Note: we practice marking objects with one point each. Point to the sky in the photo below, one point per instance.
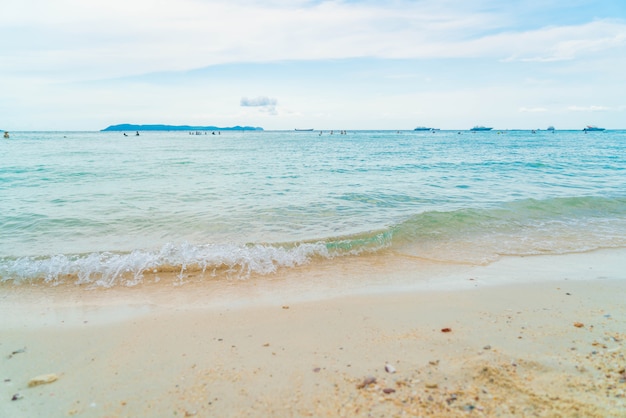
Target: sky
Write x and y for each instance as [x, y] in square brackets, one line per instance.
[283, 64]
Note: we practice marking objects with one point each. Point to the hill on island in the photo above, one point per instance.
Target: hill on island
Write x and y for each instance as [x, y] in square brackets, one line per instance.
[131, 127]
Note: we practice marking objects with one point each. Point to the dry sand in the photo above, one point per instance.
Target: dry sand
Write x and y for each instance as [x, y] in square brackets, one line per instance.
[551, 346]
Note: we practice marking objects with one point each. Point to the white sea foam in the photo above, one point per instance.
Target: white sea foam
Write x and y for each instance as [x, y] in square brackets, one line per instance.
[109, 269]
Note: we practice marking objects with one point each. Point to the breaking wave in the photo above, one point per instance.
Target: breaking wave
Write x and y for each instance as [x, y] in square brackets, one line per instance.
[476, 236]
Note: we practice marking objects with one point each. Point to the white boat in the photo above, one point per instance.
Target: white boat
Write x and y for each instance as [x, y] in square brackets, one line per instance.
[304, 130]
[592, 128]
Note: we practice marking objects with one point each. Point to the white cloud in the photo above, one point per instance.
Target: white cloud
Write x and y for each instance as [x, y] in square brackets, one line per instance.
[114, 38]
[258, 101]
[264, 103]
[568, 42]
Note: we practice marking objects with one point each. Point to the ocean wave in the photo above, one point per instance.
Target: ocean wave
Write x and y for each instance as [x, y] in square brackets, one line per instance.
[467, 235]
[108, 269]
[518, 228]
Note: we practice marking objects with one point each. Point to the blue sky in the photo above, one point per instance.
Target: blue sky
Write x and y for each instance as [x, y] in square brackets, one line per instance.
[278, 64]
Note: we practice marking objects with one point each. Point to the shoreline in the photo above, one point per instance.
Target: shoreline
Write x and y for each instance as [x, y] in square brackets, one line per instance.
[378, 274]
[536, 335]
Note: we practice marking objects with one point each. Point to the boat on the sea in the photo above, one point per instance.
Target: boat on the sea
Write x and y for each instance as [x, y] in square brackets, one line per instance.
[591, 128]
[480, 128]
[424, 128]
[304, 130]
[6, 134]
[550, 128]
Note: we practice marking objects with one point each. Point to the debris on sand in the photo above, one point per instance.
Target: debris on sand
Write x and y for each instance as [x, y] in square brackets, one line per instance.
[366, 382]
[18, 351]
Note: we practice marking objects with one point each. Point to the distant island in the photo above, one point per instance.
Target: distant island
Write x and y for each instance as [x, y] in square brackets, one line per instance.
[130, 127]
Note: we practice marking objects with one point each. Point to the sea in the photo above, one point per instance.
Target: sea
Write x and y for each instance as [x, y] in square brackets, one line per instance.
[102, 210]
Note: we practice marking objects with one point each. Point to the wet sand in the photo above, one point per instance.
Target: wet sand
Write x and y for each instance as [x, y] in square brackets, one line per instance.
[550, 341]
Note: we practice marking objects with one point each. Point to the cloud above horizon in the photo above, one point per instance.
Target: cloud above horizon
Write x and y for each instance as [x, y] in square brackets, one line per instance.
[359, 62]
[266, 104]
[258, 101]
[100, 41]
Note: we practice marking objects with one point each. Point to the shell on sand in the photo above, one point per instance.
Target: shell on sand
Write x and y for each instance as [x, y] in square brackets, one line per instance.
[42, 379]
[389, 368]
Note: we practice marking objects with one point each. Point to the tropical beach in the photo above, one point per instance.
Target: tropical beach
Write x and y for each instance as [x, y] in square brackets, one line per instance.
[384, 273]
[312, 209]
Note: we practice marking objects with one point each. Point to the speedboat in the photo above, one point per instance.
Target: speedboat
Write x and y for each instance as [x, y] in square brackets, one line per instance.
[592, 128]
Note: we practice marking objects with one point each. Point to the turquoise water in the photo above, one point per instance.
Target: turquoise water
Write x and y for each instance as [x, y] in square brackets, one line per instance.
[98, 207]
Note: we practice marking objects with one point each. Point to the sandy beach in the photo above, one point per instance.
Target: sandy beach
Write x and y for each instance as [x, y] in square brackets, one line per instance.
[532, 336]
